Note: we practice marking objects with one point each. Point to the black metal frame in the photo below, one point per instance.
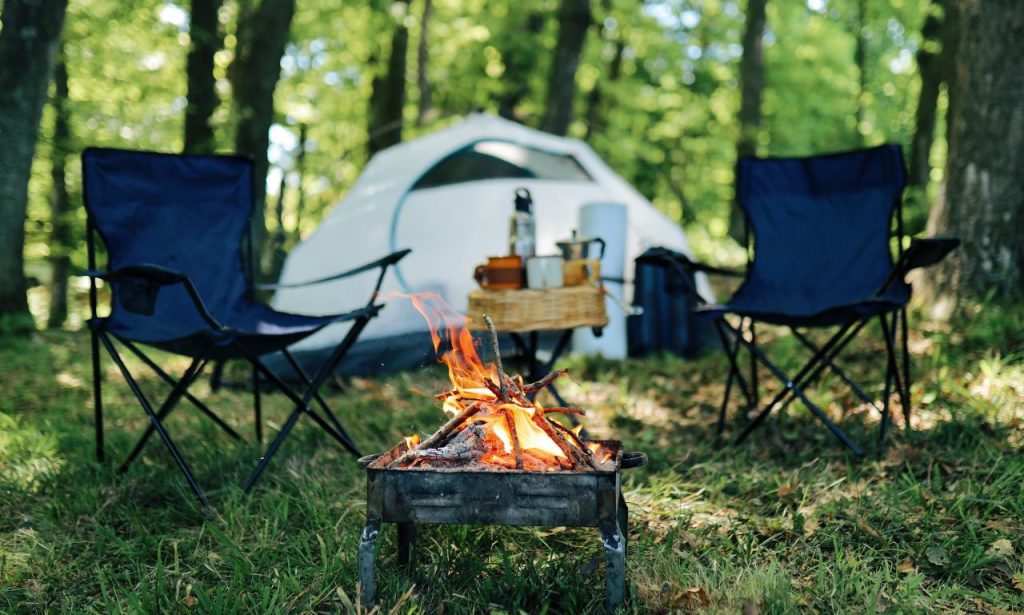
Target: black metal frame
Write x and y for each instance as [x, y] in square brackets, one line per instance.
[179, 387]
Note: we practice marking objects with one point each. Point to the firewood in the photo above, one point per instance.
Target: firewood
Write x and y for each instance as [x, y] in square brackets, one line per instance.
[514, 435]
[577, 441]
[577, 458]
[496, 350]
[545, 381]
[440, 435]
[558, 410]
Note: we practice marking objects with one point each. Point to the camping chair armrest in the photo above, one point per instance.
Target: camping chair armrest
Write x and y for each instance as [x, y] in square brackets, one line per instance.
[926, 252]
[383, 263]
[150, 278]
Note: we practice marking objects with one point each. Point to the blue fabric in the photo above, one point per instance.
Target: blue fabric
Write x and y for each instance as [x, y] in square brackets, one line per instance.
[189, 214]
[821, 237]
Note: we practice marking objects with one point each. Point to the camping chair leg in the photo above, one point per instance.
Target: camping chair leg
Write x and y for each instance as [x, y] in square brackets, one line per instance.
[890, 342]
[191, 398]
[794, 386]
[190, 375]
[890, 367]
[907, 400]
[257, 409]
[301, 373]
[864, 397]
[731, 352]
[302, 404]
[178, 459]
[829, 360]
[217, 376]
[97, 395]
[753, 366]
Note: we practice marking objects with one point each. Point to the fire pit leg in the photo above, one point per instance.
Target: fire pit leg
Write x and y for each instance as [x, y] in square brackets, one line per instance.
[406, 543]
[367, 548]
[623, 515]
[615, 550]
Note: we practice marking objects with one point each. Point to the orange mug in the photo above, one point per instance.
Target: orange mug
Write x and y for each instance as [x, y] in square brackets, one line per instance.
[500, 273]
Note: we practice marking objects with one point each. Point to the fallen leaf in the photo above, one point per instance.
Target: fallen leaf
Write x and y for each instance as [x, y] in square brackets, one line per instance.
[867, 529]
[937, 555]
[694, 597]
[751, 608]
[906, 566]
[783, 491]
[190, 601]
[1018, 582]
[1001, 548]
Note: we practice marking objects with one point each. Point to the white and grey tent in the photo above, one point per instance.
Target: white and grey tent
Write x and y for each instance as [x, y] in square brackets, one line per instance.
[448, 196]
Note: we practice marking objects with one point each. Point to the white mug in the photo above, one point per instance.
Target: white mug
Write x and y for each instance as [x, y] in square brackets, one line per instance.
[544, 272]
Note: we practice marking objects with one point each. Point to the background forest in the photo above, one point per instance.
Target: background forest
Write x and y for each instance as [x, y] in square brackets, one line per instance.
[664, 91]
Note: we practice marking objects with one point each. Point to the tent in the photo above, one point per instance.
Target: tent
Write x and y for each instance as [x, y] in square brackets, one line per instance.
[448, 196]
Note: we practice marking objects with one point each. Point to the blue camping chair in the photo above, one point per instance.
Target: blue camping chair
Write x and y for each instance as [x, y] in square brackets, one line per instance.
[176, 232]
[820, 228]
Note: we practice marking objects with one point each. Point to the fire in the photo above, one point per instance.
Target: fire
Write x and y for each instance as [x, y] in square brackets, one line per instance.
[509, 431]
[412, 441]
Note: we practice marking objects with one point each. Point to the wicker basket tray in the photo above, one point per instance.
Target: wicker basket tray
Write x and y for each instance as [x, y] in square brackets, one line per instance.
[538, 310]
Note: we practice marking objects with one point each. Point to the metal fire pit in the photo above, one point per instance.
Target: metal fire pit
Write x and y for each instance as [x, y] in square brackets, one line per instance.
[408, 496]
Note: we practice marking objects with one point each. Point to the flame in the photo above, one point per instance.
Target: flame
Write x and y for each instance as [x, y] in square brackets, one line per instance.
[412, 441]
[474, 381]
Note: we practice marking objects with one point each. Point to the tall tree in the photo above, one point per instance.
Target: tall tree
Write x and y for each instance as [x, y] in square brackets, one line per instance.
[422, 64]
[204, 33]
[387, 98]
[751, 92]
[574, 19]
[860, 58]
[262, 33]
[984, 185]
[28, 43]
[60, 203]
[519, 55]
[929, 64]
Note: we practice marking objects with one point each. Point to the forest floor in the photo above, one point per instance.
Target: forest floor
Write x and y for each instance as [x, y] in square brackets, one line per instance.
[787, 522]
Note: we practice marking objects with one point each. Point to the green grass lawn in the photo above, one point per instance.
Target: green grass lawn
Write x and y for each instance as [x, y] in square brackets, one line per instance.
[788, 522]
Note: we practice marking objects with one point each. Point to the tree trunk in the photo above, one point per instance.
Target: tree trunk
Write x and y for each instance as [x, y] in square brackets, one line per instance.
[262, 35]
[519, 57]
[595, 100]
[204, 32]
[28, 43]
[422, 63]
[387, 99]
[929, 63]
[860, 58]
[751, 91]
[60, 204]
[984, 184]
[574, 20]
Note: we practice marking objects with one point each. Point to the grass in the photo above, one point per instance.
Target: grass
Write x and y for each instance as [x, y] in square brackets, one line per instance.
[787, 522]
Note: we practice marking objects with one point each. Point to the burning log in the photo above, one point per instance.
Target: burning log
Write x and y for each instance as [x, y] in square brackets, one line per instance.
[496, 350]
[557, 410]
[510, 421]
[439, 436]
[545, 381]
[577, 458]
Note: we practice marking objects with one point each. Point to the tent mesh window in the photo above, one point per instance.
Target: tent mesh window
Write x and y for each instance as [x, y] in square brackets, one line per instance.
[502, 160]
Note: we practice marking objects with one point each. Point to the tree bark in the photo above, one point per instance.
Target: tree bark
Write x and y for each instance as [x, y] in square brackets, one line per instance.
[262, 34]
[519, 56]
[751, 92]
[204, 32]
[574, 19]
[984, 186]
[595, 99]
[387, 98]
[860, 58]
[422, 64]
[929, 63]
[28, 44]
[60, 203]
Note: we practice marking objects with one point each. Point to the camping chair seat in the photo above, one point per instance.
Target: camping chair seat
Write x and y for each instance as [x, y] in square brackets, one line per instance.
[777, 307]
[254, 327]
[176, 231]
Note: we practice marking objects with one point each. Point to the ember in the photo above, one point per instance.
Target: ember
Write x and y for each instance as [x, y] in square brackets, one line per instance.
[494, 425]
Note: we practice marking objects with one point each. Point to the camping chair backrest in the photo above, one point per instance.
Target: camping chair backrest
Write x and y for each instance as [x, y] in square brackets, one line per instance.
[184, 213]
[821, 225]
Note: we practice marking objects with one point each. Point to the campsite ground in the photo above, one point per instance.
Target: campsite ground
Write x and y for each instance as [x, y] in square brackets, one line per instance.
[786, 523]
